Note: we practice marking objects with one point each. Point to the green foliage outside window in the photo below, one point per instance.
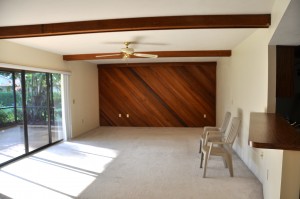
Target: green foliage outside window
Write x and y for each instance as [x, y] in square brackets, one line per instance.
[36, 100]
[6, 116]
[7, 99]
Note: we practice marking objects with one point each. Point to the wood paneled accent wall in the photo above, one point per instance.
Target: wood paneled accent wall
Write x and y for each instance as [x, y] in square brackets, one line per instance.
[158, 94]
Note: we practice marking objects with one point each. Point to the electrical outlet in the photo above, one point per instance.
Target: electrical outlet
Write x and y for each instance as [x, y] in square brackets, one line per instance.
[127, 115]
[204, 115]
[120, 115]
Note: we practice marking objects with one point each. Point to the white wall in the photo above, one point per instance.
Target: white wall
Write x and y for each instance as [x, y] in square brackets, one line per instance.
[85, 97]
[247, 77]
[242, 87]
[83, 81]
[12, 53]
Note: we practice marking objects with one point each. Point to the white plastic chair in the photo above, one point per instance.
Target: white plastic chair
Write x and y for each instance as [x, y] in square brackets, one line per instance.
[221, 148]
[221, 129]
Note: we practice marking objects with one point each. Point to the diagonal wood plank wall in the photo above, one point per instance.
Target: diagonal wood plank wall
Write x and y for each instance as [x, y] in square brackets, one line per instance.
[158, 94]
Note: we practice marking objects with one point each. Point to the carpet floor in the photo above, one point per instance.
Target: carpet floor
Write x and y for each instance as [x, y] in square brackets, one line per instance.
[127, 163]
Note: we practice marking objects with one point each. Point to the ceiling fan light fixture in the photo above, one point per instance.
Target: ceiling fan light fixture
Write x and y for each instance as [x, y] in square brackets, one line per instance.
[126, 56]
[128, 52]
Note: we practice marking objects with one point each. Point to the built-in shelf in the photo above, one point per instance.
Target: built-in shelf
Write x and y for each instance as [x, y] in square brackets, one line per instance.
[271, 131]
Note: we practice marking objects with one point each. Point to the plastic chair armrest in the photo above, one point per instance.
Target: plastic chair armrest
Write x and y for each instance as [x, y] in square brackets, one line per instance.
[212, 135]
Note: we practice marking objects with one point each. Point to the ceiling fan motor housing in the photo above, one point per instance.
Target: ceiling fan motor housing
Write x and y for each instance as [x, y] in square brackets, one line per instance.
[129, 51]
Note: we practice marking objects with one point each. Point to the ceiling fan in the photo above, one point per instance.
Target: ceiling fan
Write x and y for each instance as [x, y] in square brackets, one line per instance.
[127, 52]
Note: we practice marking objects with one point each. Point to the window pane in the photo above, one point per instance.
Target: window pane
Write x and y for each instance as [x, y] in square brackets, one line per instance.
[11, 117]
[37, 109]
[7, 117]
[56, 108]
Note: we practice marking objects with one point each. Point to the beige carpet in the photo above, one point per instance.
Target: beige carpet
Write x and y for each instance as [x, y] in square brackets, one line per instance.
[127, 163]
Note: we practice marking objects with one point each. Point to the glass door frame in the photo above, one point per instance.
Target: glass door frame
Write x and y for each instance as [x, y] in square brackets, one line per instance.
[24, 108]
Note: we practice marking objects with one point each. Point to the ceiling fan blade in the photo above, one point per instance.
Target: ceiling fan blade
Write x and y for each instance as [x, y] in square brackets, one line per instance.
[110, 55]
[138, 41]
[145, 55]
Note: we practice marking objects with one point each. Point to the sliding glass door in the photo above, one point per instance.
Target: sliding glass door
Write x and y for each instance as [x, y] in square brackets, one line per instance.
[12, 142]
[30, 112]
[37, 109]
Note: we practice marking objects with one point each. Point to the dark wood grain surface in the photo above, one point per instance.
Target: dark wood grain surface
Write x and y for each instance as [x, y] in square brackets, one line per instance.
[271, 131]
[136, 24]
[199, 53]
[160, 94]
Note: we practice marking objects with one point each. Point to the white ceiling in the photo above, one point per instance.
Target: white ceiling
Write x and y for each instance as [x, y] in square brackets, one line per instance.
[20, 12]
[288, 30]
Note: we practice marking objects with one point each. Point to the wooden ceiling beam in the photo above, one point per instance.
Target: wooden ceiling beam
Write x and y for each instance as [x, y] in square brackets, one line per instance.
[137, 24]
[202, 53]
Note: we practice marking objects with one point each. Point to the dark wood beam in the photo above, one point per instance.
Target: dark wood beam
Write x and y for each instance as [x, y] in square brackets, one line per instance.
[136, 24]
[202, 53]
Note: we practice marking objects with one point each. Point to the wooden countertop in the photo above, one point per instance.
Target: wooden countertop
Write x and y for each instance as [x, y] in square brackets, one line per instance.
[271, 131]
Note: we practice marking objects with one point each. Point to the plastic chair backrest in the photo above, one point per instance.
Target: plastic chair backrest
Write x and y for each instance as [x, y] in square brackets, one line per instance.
[225, 122]
[233, 131]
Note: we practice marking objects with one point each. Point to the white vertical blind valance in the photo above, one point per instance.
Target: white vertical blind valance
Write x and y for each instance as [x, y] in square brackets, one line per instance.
[28, 68]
